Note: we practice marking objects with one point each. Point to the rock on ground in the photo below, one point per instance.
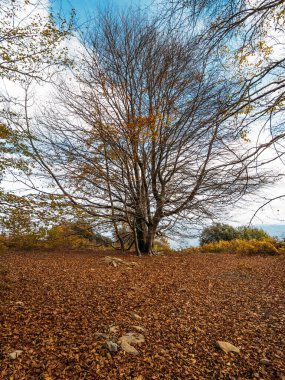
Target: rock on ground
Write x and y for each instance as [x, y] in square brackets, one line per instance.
[227, 347]
[15, 354]
[126, 342]
[111, 346]
[116, 261]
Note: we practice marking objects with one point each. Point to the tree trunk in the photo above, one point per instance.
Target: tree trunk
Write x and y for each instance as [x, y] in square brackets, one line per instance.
[145, 238]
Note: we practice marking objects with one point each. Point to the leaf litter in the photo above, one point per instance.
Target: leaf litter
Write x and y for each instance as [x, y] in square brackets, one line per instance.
[69, 322]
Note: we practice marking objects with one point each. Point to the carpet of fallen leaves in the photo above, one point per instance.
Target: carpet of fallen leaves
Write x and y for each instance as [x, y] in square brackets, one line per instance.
[53, 305]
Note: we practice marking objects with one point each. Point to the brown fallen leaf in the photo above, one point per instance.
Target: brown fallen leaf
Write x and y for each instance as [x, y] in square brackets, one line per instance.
[63, 326]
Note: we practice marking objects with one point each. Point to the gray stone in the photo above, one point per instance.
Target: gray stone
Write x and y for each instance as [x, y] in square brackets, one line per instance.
[111, 346]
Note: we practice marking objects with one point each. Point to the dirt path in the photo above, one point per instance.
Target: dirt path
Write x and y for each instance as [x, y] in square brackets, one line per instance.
[57, 306]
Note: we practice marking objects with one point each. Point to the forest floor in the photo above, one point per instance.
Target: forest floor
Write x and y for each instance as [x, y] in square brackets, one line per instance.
[59, 309]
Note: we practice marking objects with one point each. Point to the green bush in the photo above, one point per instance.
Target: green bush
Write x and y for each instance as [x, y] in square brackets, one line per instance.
[225, 232]
[248, 233]
[218, 232]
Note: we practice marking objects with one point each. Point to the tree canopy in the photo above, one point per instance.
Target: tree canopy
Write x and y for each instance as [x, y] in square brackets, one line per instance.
[30, 38]
[144, 139]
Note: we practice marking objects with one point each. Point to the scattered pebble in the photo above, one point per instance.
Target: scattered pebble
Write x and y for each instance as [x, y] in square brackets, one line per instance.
[136, 316]
[13, 355]
[227, 347]
[139, 328]
[113, 329]
[19, 303]
[111, 346]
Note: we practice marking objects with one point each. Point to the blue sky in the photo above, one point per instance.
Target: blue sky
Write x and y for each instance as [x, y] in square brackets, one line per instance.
[85, 8]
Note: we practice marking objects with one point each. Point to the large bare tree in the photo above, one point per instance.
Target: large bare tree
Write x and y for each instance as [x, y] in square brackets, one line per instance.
[142, 137]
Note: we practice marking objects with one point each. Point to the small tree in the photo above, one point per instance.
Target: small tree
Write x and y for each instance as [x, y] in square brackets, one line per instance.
[218, 232]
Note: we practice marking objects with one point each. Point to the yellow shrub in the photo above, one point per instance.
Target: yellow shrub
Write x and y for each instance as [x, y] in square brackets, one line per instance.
[161, 244]
[238, 246]
[217, 247]
[63, 236]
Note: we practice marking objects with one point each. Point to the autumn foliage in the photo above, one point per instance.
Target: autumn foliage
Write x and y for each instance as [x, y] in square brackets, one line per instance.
[73, 235]
[238, 246]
